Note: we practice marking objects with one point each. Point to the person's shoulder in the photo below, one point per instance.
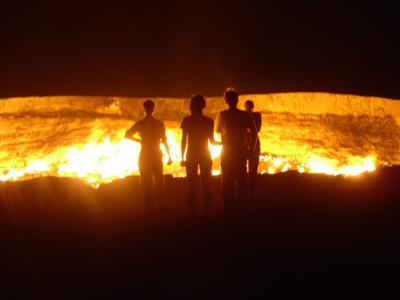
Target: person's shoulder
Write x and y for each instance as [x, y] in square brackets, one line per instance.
[207, 119]
[243, 113]
[139, 122]
[158, 121]
[185, 121]
[223, 112]
[245, 116]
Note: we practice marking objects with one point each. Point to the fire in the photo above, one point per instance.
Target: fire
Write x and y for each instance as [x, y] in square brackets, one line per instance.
[84, 137]
[105, 161]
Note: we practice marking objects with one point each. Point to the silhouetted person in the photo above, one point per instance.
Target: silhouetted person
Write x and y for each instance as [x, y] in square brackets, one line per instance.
[254, 156]
[152, 134]
[197, 131]
[234, 126]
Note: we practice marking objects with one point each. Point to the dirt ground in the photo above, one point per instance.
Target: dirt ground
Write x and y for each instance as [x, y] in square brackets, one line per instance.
[304, 235]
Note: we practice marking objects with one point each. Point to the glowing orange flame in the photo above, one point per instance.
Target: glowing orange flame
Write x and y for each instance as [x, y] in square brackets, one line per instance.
[37, 140]
[103, 162]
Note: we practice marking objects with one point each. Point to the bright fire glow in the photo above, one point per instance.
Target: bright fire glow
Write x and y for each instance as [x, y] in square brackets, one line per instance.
[105, 161]
[37, 141]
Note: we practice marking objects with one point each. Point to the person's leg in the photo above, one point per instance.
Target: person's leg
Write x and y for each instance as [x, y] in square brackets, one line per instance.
[191, 176]
[253, 167]
[205, 171]
[227, 185]
[241, 178]
[146, 183]
[157, 172]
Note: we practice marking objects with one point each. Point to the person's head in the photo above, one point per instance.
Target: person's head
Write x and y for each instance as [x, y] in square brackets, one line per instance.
[231, 97]
[148, 106]
[249, 105]
[197, 104]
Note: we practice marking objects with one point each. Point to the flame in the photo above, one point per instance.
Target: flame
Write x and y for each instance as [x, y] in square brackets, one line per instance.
[84, 137]
[105, 161]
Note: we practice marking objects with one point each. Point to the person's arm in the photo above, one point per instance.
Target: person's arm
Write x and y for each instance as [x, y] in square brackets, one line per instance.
[218, 123]
[130, 132]
[211, 135]
[165, 143]
[218, 126]
[253, 134]
[183, 145]
[258, 122]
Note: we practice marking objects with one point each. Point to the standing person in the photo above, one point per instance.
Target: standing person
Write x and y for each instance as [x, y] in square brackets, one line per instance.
[197, 131]
[234, 126]
[254, 157]
[152, 134]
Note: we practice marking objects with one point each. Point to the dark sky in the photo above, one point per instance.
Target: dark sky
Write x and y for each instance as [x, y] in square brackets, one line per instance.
[176, 48]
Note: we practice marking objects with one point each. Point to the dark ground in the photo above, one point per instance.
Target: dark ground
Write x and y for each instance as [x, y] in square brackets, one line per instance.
[305, 236]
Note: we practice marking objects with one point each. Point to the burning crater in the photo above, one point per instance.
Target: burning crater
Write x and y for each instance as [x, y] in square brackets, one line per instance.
[72, 136]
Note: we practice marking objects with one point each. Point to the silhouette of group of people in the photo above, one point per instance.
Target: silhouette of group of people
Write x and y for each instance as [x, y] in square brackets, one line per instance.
[240, 147]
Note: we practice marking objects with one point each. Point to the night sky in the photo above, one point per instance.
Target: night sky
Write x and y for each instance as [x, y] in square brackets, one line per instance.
[176, 48]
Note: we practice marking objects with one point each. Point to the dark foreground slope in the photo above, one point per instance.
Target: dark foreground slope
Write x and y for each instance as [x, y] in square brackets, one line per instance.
[312, 235]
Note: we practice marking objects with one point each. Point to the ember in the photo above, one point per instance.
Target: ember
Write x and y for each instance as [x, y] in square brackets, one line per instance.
[84, 136]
